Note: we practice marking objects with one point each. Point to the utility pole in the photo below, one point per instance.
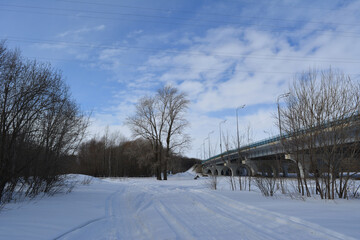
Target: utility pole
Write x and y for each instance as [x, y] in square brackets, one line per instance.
[237, 126]
[204, 147]
[202, 152]
[209, 141]
[284, 95]
[237, 132]
[220, 136]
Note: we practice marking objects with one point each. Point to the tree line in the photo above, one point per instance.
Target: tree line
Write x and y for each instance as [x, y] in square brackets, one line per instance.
[111, 155]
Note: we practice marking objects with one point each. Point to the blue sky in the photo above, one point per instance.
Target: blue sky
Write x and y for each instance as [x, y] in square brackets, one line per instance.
[223, 54]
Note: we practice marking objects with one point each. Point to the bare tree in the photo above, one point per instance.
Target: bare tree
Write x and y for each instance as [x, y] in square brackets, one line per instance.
[40, 125]
[158, 118]
[148, 122]
[175, 105]
[321, 119]
[228, 146]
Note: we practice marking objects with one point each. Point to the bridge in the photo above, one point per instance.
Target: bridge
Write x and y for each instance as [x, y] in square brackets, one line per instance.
[275, 156]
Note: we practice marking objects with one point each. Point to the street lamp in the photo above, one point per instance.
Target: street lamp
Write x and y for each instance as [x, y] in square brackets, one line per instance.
[237, 125]
[202, 152]
[269, 134]
[198, 153]
[220, 135]
[204, 147]
[209, 140]
[284, 95]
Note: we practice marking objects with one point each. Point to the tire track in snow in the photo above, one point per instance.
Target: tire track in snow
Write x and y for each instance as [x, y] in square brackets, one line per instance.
[314, 230]
[159, 211]
[142, 230]
[257, 223]
[108, 213]
[65, 234]
[176, 218]
[225, 222]
[148, 202]
[173, 221]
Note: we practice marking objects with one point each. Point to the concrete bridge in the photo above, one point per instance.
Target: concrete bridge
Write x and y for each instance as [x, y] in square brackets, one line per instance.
[272, 157]
[262, 156]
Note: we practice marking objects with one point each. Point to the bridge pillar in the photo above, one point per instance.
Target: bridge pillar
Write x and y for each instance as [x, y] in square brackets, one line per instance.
[223, 170]
[303, 164]
[251, 166]
[207, 171]
[269, 168]
[275, 169]
[232, 169]
[285, 168]
[240, 169]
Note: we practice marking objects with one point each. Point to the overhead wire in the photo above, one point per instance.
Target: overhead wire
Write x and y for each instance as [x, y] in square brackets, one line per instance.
[177, 67]
[289, 7]
[194, 22]
[191, 53]
[202, 13]
[287, 58]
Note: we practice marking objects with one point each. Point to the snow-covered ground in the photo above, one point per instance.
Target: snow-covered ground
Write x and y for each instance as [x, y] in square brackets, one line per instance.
[180, 208]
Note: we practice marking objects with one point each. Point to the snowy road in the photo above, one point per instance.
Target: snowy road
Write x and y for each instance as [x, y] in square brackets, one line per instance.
[180, 208]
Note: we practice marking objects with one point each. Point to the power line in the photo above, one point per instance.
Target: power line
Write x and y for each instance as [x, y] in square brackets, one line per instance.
[219, 54]
[172, 67]
[177, 67]
[152, 16]
[291, 7]
[195, 22]
[205, 14]
[172, 9]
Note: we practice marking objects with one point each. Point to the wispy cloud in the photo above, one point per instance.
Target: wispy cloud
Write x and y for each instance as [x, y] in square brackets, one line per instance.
[77, 32]
[250, 60]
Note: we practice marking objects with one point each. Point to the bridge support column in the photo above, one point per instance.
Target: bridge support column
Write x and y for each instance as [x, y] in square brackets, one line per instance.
[302, 164]
[285, 169]
[224, 170]
[213, 171]
[233, 168]
[251, 167]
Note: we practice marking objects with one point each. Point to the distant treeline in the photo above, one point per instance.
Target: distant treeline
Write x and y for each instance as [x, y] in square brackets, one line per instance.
[123, 158]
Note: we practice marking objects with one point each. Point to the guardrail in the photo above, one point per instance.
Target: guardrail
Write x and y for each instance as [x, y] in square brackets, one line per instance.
[351, 118]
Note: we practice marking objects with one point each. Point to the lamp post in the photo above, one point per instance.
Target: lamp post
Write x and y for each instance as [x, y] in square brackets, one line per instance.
[202, 152]
[284, 95]
[220, 136]
[209, 140]
[204, 147]
[237, 125]
[269, 134]
[198, 153]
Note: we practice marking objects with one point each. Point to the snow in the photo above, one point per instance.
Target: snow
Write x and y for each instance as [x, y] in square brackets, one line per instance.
[180, 208]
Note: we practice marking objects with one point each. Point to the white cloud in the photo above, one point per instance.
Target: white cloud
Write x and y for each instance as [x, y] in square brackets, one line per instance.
[230, 66]
[223, 67]
[134, 33]
[83, 30]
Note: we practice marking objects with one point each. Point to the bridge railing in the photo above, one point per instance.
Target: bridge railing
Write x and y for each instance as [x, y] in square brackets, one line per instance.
[350, 118]
[249, 146]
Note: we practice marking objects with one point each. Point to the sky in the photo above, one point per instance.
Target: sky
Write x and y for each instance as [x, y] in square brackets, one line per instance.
[222, 54]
